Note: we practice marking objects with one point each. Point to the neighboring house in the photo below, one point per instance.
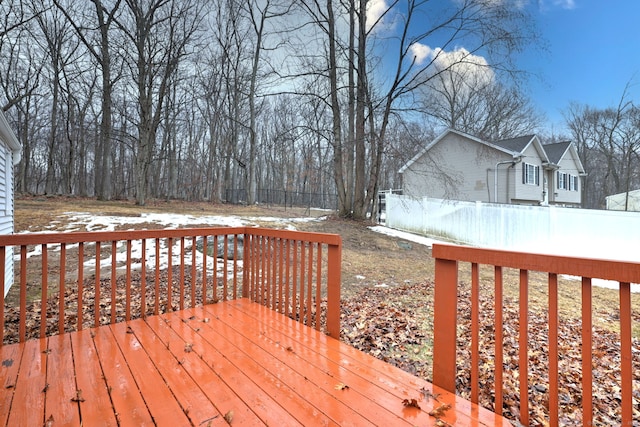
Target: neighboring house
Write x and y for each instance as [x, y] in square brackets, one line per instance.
[627, 201]
[9, 156]
[458, 166]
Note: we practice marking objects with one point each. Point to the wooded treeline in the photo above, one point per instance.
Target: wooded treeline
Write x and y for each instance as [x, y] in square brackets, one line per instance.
[185, 99]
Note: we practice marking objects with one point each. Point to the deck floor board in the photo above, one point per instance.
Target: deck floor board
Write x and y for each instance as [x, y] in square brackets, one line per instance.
[232, 361]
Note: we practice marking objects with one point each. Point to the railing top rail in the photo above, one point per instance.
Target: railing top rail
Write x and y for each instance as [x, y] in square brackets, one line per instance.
[105, 236]
[621, 271]
[307, 236]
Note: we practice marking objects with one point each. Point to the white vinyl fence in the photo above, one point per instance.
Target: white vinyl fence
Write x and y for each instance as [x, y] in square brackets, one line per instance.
[539, 229]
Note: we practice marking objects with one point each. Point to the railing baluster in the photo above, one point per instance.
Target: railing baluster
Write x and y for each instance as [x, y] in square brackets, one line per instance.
[302, 281]
[96, 300]
[80, 286]
[587, 331]
[169, 274]
[523, 352]
[204, 269]
[553, 350]
[44, 290]
[294, 280]
[318, 285]
[23, 293]
[194, 252]
[225, 259]
[499, 341]
[269, 279]
[127, 284]
[143, 280]
[61, 296]
[235, 266]
[281, 278]
[287, 271]
[215, 267]
[274, 274]
[309, 283]
[114, 285]
[182, 273]
[156, 308]
[475, 331]
[263, 270]
[625, 354]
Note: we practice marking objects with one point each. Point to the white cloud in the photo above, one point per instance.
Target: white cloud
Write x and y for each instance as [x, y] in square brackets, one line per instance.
[459, 61]
[565, 4]
[420, 52]
[375, 9]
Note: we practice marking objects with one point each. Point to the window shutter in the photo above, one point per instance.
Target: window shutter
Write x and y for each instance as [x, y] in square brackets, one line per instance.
[537, 175]
[524, 173]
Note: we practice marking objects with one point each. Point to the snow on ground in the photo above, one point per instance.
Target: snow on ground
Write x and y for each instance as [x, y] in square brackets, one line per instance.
[422, 240]
[82, 221]
[609, 284]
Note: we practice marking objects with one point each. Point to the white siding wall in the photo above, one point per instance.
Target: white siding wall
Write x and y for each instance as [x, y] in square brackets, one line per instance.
[6, 208]
[568, 166]
[458, 168]
[528, 193]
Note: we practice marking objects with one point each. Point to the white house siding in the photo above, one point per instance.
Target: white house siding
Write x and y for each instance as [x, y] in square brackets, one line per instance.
[561, 196]
[457, 168]
[6, 208]
[528, 193]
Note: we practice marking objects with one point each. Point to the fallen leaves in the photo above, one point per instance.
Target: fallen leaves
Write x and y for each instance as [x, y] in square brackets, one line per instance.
[391, 323]
[411, 403]
[440, 410]
[341, 386]
[78, 397]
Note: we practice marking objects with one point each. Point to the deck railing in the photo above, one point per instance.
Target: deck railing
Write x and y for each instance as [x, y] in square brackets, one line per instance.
[68, 281]
[446, 326]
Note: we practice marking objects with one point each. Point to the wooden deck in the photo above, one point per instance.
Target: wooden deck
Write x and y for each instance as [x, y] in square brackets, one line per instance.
[234, 362]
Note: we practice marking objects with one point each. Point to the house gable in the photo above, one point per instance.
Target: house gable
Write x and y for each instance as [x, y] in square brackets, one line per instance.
[454, 166]
[519, 170]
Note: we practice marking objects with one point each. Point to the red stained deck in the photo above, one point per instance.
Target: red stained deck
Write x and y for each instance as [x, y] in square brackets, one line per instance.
[234, 362]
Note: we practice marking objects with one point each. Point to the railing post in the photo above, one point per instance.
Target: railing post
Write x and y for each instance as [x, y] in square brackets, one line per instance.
[334, 257]
[444, 324]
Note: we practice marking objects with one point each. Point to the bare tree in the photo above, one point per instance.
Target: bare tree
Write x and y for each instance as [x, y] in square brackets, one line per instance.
[101, 23]
[497, 29]
[608, 142]
[159, 32]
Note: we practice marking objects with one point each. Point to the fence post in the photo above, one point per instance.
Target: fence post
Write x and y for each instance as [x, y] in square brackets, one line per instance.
[445, 323]
[334, 257]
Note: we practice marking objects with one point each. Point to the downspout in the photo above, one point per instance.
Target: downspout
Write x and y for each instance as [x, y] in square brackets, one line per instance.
[495, 178]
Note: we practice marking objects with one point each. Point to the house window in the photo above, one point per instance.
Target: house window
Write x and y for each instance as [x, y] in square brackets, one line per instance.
[562, 181]
[531, 174]
[573, 183]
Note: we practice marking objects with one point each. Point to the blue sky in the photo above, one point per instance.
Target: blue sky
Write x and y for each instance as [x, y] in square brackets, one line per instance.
[593, 52]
